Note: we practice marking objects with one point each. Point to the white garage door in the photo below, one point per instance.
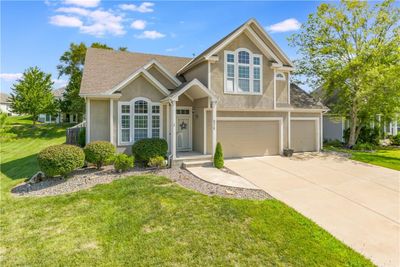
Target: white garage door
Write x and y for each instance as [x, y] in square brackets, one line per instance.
[304, 135]
[248, 138]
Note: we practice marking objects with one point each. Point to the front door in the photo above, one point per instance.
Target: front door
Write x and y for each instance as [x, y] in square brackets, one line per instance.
[183, 130]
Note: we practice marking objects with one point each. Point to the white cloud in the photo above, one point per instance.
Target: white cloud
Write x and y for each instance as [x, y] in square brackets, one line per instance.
[145, 7]
[104, 22]
[97, 22]
[73, 10]
[10, 76]
[172, 49]
[83, 3]
[287, 25]
[139, 24]
[65, 21]
[59, 82]
[150, 35]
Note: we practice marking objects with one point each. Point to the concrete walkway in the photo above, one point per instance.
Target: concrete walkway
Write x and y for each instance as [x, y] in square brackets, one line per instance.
[215, 176]
[358, 203]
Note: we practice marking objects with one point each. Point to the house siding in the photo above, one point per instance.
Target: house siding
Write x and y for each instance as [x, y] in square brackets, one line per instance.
[161, 78]
[99, 120]
[242, 101]
[199, 72]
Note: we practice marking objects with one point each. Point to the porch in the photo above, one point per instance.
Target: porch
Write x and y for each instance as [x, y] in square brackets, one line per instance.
[191, 136]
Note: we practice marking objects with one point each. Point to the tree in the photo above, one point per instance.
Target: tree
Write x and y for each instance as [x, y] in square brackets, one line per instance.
[32, 94]
[72, 62]
[351, 50]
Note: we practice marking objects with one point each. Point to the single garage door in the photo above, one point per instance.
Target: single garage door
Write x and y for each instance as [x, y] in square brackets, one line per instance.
[303, 135]
[248, 138]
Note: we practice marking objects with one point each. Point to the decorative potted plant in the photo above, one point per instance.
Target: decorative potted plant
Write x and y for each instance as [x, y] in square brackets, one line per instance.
[288, 152]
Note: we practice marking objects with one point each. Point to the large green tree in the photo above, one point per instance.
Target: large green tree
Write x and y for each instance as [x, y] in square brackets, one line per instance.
[32, 94]
[351, 50]
[71, 65]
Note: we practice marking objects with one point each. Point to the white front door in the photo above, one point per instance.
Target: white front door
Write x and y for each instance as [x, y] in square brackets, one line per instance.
[183, 131]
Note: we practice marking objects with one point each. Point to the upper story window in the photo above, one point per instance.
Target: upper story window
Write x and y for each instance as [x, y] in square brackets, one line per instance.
[137, 120]
[280, 76]
[243, 72]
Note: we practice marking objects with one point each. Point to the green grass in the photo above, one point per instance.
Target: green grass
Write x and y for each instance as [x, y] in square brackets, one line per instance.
[148, 220]
[384, 157]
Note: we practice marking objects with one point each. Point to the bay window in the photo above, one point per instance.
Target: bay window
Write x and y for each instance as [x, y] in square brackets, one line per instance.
[138, 119]
[243, 72]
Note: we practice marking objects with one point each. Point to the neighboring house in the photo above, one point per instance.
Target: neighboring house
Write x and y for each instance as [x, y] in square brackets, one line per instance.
[334, 125]
[236, 92]
[60, 117]
[5, 103]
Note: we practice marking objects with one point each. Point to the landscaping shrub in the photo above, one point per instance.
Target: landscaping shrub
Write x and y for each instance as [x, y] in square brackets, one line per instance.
[123, 162]
[367, 135]
[395, 139]
[218, 157]
[364, 147]
[145, 149]
[158, 162]
[334, 143]
[82, 137]
[60, 159]
[99, 152]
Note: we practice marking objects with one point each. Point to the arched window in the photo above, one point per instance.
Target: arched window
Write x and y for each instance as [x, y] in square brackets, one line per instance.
[280, 76]
[243, 72]
[138, 119]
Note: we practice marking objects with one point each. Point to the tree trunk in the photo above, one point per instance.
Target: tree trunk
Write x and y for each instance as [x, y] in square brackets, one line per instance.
[353, 128]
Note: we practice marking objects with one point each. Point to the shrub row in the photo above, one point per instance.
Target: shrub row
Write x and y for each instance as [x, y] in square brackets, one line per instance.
[63, 159]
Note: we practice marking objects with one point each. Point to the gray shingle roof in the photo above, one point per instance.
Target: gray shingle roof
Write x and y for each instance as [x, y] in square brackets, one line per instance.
[301, 99]
[105, 68]
[59, 92]
[4, 98]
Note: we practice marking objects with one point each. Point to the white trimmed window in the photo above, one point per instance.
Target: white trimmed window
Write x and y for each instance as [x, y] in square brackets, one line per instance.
[138, 119]
[243, 72]
[280, 76]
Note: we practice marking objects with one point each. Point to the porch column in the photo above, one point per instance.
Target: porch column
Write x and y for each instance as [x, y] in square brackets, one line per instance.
[214, 126]
[111, 121]
[173, 123]
[168, 136]
[395, 125]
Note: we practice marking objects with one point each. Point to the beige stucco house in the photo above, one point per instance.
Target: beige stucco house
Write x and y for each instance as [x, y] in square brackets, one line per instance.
[237, 92]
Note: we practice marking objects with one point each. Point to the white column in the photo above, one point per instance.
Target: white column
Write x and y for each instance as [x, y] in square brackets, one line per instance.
[214, 126]
[288, 85]
[395, 125]
[274, 88]
[173, 137]
[168, 137]
[289, 130]
[87, 121]
[112, 121]
[321, 129]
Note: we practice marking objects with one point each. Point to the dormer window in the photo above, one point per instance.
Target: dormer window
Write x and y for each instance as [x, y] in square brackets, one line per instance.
[243, 72]
[280, 76]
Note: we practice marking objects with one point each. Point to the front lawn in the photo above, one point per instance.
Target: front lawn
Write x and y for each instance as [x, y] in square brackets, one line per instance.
[385, 157]
[147, 220]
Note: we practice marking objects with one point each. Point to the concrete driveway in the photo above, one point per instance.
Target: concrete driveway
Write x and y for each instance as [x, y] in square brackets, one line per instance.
[358, 203]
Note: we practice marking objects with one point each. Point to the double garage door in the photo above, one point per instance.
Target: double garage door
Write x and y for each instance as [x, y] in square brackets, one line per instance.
[249, 138]
[257, 137]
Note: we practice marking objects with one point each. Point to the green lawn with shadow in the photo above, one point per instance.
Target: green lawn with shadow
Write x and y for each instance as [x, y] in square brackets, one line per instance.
[149, 221]
[388, 157]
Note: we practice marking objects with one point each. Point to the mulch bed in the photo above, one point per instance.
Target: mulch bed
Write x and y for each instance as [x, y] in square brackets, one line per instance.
[89, 177]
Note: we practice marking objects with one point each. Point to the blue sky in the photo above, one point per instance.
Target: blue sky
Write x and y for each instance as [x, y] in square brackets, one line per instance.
[36, 33]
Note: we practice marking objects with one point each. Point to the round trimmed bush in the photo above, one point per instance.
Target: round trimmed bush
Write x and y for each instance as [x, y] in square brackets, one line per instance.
[99, 152]
[148, 148]
[60, 159]
[123, 162]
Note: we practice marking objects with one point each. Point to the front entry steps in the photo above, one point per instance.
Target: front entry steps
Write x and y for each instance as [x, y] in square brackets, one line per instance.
[197, 160]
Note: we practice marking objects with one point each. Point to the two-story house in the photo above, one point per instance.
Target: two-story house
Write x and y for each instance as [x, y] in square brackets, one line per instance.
[237, 92]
